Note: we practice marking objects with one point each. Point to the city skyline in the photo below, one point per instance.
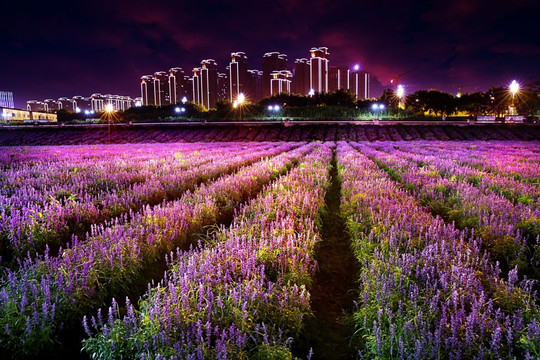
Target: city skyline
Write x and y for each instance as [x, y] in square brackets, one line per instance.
[77, 49]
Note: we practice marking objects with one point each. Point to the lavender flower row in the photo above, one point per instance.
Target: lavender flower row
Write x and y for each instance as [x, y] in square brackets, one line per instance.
[49, 291]
[508, 230]
[27, 225]
[426, 289]
[241, 298]
[507, 186]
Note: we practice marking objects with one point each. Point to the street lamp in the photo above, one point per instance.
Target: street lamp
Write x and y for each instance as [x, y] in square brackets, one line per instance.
[311, 92]
[514, 89]
[184, 100]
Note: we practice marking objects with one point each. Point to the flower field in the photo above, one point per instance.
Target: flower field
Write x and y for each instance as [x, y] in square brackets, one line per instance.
[213, 250]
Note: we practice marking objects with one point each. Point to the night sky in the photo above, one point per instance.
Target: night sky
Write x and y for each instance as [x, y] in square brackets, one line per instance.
[53, 49]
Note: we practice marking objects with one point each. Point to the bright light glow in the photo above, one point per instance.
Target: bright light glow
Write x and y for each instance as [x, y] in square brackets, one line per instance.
[109, 108]
[184, 100]
[177, 110]
[311, 92]
[78, 110]
[381, 106]
[356, 67]
[276, 107]
[235, 104]
[183, 109]
[86, 112]
[241, 98]
[514, 87]
[400, 91]
[270, 108]
[374, 107]
[138, 103]
[92, 112]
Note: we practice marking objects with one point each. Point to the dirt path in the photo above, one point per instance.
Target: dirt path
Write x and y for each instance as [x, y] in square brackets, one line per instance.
[334, 287]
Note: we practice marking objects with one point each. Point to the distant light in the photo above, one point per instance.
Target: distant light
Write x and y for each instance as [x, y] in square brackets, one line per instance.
[138, 103]
[356, 67]
[311, 92]
[177, 110]
[235, 104]
[183, 109]
[381, 106]
[241, 98]
[270, 108]
[514, 87]
[458, 95]
[86, 112]
[92, 112]
[276, 108]
[109, 108]
[78, 109]
[400, 91]
[184, 100]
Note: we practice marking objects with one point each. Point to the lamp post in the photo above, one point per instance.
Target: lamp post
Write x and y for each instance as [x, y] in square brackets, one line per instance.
[400, 93]
[514, 89]
[109, 110]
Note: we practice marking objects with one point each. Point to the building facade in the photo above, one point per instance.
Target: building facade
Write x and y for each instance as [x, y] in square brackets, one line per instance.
[272, 61]
[6, 99]
[338, 78]
[280, 82]
[301, 80]
[318, 69]
[208, 83]
[238, 76]
[147, 90]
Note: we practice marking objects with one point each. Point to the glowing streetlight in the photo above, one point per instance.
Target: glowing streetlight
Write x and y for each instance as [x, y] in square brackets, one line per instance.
[356, 67]
[241, 98]
[109, 108]
[311, 92]
[400, 92]
[514, 89]
[184, 100]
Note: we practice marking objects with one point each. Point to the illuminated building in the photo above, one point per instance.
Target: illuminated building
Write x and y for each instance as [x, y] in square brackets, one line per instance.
[147, 90]
[208, 83]
[196, 85]
[22, 116]
[272, 61]
[6, 99]
[280, 82]
[318, 69]
[35, 105]
[97, 102]
[65, 103]
[176, 85]
[360, 84]
[338, 78]
[238, 76]
[223, 87]
[161, 88]
[254, 84]
[81, 103]
[51, 105]
[301, 77]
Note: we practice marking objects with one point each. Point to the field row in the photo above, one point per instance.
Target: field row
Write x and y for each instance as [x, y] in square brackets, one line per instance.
[446, 241]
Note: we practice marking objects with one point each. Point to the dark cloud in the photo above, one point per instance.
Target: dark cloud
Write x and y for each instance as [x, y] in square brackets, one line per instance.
[68, 48]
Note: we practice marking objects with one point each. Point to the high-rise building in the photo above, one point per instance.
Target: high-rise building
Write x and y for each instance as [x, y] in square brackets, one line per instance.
[272, 61]
[176, 85]
[65, 103]
[161, 88]
[147, 90]
[97, 101]
[223, 86]
[209, 83]
[360, 84]
[301, 79]
[319, 69]
[81, 104]
[238, 76]
[255, 88]
[280, 82]
[35, 105]
[51, 105]
[196, 86]
[338, 78]
[6, 99]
